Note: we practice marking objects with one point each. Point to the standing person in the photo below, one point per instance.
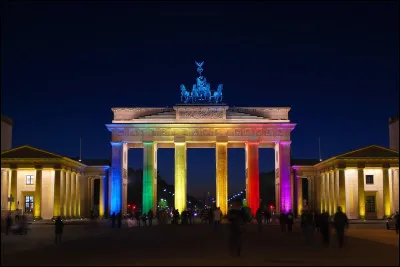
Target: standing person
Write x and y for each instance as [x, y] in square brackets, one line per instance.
[290, 221]
[113, 217]
[119, 218]
[341, 222]
[259, 217]
[324, 228]
[8, 223]
[307, 224]
[268, 215]
[317, 219]
[59, 227]
[137, 217]
[190, 216]
[210, 216]
[237, 219]
[217, 217]
[150, 215]
[397, 218]
[282, 221]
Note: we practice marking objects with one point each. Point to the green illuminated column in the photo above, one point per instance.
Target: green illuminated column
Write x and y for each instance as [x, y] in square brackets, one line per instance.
[37, 207]
[149, 176]
[180, 176]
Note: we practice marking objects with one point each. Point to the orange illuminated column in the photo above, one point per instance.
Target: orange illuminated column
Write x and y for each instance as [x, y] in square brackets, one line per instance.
[221, 161]
[252, 177]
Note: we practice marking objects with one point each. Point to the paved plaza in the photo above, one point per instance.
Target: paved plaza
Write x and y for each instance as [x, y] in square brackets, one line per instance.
[194, 245]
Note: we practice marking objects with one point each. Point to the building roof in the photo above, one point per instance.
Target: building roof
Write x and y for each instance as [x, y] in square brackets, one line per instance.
[6, 119]
[93, 162]
[28, 152]
[304, 162]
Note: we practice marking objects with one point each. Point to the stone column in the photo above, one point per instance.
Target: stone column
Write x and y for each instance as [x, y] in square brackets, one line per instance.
[125, 178]
[62, 193]
[342, 189]
[115, 184]
[78, 195]
[57, 193]
[332, 187]
[395, 186]
[253, 177]
[37, 215]
[327, 193]
[283, 148]
[68, 194]
[361, 193]
[102, 197]
[221, 154]
[83, 188]
[149, 177]
[180, 176]
[322, 189]
[386, 192]
[13, 189]
[317, 193]
[4, 190]
[299, 194]
[73, 194]
[310, 192]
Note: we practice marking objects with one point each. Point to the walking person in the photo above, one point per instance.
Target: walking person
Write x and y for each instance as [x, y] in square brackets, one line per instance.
[8, 223]
[324, 228]
[150, 215]
[113, 217]
[137, 217]
[59, 228]
[307, 224]
[119, 218]
[268, 216]
[282, 221]
[237, 220]
[290, 221]
[217, 218]
[259, 217]
[397, 218]
[341, 223]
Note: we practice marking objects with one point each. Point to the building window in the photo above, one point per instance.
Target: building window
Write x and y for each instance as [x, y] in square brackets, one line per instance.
[370, 204]
[369, 179]
[29, 179]
[28, 204]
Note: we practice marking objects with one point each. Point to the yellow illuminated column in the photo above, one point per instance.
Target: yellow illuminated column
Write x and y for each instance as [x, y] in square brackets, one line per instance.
[180, 176]
[386, 192]
[57, 193]
[101, 196]
[221, 161]
[332, 188]
[4, 189]
[78, 195]
[342, 189]
[361, 193]
[38, 195]
[13, 189]
[67, 206]
[62, 193]
[299, 194]
[73, 194]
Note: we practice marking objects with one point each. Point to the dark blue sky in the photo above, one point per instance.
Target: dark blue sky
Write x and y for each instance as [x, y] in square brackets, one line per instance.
[65, 65]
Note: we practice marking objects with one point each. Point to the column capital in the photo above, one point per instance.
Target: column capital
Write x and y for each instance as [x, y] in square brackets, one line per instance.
[360, 166]
[38, 167]
[116, 143]
[179, 139]
[385, 166]
[284, 143]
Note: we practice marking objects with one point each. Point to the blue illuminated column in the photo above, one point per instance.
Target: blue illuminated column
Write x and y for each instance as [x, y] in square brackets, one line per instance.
[115, 183]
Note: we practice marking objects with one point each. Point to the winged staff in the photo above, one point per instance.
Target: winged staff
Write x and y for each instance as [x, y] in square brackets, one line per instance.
[201, 92]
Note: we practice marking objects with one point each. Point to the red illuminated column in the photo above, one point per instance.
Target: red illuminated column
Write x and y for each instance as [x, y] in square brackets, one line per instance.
[252, 177]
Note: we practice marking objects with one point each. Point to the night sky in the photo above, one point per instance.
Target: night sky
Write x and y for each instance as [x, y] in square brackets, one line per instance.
[65, 65]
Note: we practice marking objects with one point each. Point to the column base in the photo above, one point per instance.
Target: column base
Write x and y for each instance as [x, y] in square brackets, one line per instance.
[37, 218]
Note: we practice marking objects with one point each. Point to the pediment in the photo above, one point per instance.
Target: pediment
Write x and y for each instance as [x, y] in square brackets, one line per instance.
[373, 151]
[28, 152]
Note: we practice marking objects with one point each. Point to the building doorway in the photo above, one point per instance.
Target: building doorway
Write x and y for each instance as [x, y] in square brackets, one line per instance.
[370, 207]
[28, 207]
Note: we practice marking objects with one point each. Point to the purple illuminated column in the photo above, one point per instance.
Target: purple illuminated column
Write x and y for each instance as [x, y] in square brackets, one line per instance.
[282, 151]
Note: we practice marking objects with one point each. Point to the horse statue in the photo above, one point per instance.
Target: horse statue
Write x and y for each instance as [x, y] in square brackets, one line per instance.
[195, 93]
[218, 94]
[207, 93]
[184, 94]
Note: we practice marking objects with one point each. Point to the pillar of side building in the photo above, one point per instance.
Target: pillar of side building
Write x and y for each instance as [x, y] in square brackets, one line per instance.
[361, 193]
[149, 201]
[73, 194]
[332, 188]
[37, 215]
[316, 193]
[221, 153]
[327, 193]
[68, 194]
[322, 191]
[4, 189]
[395, 186]
[342, 189]
[62, 193]
[115, 183]
[180, 175]
[57, 193]
[299, 190]
[102, 195]
[386, 192]
[286, 201]
[253, 177]
[78, 195]
[83, 184]
[13, 188]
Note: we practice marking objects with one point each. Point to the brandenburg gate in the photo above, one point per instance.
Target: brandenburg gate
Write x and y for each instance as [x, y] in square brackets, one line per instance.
[201, 121]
